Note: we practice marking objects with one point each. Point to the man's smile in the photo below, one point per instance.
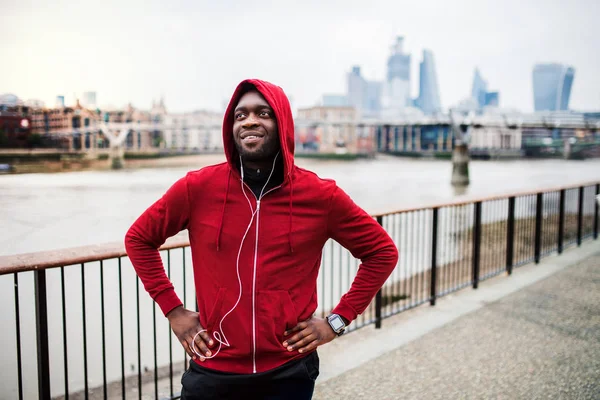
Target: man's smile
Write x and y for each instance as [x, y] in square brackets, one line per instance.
[251, 137]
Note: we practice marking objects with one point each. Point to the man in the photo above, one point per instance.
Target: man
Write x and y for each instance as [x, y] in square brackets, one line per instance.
[257, 225]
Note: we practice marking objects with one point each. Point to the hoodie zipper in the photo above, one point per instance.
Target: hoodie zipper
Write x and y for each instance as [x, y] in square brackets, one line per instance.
[254, 271]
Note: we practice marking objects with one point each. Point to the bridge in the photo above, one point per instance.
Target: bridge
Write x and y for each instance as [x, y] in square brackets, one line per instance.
[487, 136]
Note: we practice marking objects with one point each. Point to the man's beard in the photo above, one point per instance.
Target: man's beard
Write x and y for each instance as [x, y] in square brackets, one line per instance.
[264, 153]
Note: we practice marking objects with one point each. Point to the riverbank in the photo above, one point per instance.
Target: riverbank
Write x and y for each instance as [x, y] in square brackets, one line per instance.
[52, 161]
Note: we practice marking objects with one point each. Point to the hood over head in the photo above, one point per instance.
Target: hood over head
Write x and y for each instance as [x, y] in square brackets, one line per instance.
[280, 104]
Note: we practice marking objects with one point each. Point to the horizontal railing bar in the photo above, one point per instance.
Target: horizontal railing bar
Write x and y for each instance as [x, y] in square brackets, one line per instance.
[85, 254]
[474, 199]
[74, 255]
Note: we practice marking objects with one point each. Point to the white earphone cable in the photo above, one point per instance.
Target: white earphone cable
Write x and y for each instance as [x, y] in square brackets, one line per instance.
[220, 335]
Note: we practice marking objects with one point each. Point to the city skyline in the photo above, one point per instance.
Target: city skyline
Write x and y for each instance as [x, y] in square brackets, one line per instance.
[194, 54]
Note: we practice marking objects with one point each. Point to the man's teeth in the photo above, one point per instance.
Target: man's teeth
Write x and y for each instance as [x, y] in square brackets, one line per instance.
[251, 137]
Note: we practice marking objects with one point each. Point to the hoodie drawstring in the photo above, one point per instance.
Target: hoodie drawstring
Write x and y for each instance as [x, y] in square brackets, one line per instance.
[223, 212]
[291, 213]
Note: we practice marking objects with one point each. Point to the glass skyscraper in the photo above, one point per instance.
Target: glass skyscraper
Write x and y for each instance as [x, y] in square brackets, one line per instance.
[398, 62]
[481, 95]
[552, 86]
[479, 90]
[397, 85]
[492, 99]
[357, 86]
[429, 92]
[363, 95]
[372, 103]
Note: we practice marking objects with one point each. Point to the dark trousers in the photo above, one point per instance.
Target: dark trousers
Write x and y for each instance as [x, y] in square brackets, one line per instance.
[294, 380]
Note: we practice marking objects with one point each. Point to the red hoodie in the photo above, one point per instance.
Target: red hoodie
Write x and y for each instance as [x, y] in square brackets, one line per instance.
[280, 256]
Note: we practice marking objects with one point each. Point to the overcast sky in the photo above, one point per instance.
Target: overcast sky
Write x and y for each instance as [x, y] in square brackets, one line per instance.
[195, 52]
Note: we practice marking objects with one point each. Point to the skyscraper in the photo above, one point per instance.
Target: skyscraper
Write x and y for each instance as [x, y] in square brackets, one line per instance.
[363, 95]
[492, 99]
[357, 87]
[372, 100]
[552, 86]
[429, 92]
[397, 86]
[481, 95]
[479, 89]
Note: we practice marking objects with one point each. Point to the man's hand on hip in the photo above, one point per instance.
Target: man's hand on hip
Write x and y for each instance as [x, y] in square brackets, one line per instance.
[186, 324]
[309, 335]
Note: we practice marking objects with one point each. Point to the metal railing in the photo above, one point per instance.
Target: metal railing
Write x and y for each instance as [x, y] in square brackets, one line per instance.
[80, 327]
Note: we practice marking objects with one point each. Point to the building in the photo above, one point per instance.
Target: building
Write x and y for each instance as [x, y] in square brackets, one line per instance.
[552, 86]
[63, 120]
[70, 128]
[372, 102]
[356, 88]
[60, 101]
[481, 95]
[363, 95]
[15, 127]
[479, 88]
[329, 130]
[492, 99]
[193, 131]
[396, 91]
[429, 92]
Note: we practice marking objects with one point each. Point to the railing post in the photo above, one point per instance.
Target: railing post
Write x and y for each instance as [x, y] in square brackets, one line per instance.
[41, 316]
[539, 214]
[434, 237]
[510, 235]
[596, 207]
[378, 296]
[561, 221]
[476, 244]
[580, 216]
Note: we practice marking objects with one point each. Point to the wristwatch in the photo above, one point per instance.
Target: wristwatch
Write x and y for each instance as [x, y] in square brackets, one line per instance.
[337, 324]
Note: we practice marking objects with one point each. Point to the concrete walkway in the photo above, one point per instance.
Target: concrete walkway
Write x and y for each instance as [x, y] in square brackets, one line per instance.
[534, 335]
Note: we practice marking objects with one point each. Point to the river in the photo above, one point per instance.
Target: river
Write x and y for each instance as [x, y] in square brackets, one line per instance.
[50, 211]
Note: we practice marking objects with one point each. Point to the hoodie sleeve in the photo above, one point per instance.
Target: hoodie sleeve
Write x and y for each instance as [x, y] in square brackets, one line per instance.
[165, 218]
[357, 231]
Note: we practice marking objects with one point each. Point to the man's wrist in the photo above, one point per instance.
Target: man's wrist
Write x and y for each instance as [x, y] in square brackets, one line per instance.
[175, 312]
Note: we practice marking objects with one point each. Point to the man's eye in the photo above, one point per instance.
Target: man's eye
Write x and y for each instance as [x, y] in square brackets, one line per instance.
[265, 114]
[239, 115]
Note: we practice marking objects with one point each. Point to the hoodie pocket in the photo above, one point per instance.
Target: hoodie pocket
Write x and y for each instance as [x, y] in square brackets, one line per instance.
[215, 311]
[275, 314]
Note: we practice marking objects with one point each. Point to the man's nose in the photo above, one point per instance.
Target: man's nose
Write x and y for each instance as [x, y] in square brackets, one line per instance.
[250, 121]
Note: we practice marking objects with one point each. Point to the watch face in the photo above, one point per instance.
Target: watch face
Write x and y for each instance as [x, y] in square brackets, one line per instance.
[336, 323]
